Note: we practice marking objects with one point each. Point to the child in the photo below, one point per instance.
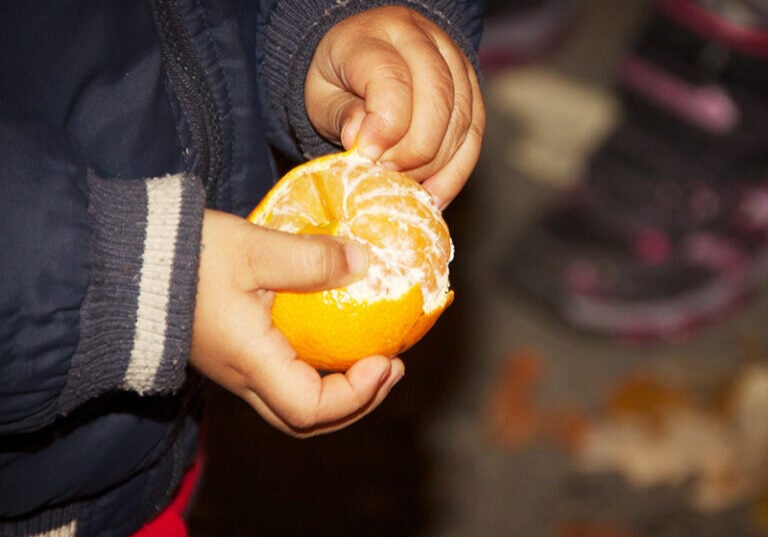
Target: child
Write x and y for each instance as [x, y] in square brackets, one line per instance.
[133, 138]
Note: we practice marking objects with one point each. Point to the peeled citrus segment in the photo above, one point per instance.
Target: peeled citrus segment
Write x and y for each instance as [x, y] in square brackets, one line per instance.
[409, 247]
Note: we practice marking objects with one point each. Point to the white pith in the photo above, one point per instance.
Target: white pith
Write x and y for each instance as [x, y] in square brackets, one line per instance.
[392, 270]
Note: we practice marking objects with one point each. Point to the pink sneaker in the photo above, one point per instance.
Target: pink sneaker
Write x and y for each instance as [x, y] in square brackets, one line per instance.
[669, 229]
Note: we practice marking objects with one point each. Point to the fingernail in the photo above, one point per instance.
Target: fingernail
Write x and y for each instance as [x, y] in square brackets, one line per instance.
[357, 258]
[441, 204]
[390, 165]
[370, 151]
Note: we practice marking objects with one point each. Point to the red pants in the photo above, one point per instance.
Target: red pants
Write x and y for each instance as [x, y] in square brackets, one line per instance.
[170, 522]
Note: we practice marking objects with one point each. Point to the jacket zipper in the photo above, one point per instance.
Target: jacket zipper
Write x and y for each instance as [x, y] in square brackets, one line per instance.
[193, 91]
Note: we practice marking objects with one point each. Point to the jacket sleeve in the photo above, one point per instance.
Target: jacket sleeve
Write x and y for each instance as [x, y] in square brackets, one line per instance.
[294, 29]
[97, 279]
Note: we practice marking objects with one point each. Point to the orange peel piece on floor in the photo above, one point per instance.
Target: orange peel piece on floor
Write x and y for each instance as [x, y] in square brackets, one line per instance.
[409, 248]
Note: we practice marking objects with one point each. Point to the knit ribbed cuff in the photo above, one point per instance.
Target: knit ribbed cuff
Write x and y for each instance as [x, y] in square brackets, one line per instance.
[56, 522]
[136, 319]
[291, 43]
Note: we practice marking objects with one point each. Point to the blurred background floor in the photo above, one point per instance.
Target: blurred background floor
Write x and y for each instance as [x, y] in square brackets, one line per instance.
[486, 434]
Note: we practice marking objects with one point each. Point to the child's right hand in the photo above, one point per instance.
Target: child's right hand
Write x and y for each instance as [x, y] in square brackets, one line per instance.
[235, 344]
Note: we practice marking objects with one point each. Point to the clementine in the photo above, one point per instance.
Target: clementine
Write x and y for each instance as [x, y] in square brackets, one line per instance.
[409, 248]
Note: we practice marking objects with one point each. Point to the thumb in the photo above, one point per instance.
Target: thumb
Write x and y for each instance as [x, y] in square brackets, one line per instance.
[280, 261]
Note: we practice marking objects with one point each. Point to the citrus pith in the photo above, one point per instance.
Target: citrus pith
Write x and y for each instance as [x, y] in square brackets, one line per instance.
[409, 247]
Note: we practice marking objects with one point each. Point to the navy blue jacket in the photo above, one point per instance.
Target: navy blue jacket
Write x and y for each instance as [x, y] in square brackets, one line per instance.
[120, 120]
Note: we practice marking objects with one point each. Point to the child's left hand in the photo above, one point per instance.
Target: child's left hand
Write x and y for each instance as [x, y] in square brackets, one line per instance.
[394, 82]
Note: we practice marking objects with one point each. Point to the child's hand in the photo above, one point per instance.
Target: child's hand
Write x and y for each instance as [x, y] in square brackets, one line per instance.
[395, 82]
[235, 343]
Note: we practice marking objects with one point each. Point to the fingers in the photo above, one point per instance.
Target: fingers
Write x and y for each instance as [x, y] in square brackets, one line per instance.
[269, 259]
[375, 99]
[439, 124]
[404, 93]
[293, 397]
[442, 142]
[282, 261]
[445, 170]
[446, 183]
[235, 343]
[411, 123]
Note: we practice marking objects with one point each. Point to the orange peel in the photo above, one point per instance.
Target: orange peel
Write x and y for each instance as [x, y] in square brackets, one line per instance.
[406, 287]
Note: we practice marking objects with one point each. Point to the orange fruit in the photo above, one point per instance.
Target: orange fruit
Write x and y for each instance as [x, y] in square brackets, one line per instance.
[409, 247]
